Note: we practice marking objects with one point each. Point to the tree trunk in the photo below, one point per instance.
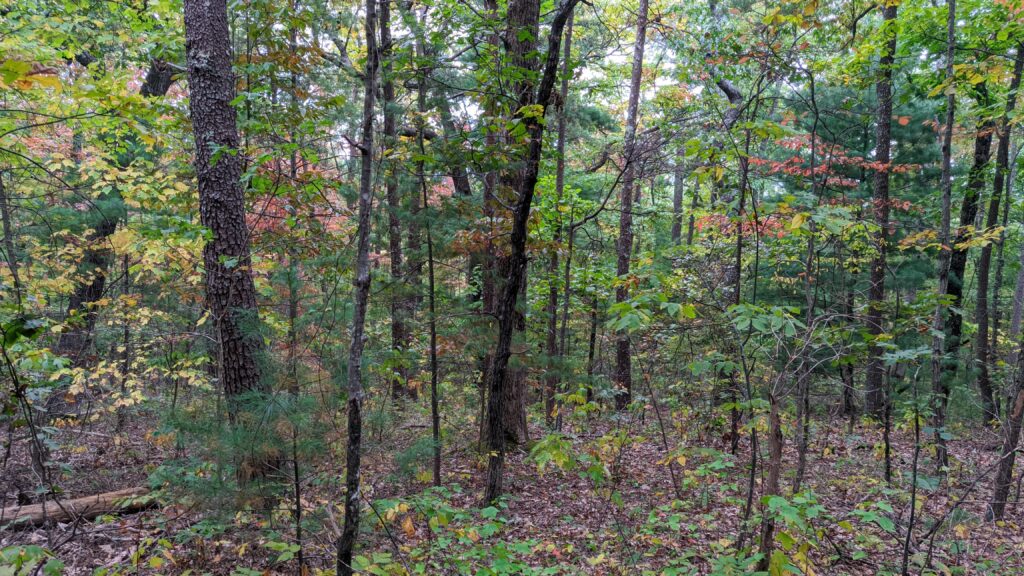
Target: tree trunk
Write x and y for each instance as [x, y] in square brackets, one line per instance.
[421, 175]
[10, 250]
[488, 258]
[958, 253]
[554, 375]
[623, 359]
[940, 384]
[691, 220]
[360, 296]
[982, 311]
[400, 385]
[678, 188]
[1015, 410]
[523, 17]
[771, 487]
[996, 300]
[1011, 437]
[230, 292]
[846, 368]
[874, 398]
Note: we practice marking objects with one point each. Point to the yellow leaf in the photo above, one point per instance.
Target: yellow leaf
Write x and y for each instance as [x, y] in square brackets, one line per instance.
[121, 239]
[408, 527]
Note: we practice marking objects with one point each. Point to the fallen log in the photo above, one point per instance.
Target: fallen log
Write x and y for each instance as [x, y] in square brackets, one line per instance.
[85, 508]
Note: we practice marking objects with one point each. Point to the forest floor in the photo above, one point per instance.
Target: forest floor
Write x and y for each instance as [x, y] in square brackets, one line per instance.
[624, 518]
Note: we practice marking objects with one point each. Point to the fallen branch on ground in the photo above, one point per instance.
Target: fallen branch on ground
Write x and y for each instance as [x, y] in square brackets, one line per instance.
[85, 508]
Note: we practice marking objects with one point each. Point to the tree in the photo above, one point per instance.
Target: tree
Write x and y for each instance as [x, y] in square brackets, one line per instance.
[624, 247]
[940, 384]
[554, 350]
[531, 104]
[401, 304]
[875, 395]
[360, 296]
[959, 247]
[230, 291]
[982, 311]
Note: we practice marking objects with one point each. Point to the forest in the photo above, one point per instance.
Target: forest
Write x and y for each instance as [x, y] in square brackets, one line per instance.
[511, 287]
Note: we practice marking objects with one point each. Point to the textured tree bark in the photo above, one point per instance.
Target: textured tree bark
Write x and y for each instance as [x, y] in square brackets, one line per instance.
[874, 396]
[360, 296]
[230, 292]
[624, 246]
[523, 16]
[982, 312]
[940, 384]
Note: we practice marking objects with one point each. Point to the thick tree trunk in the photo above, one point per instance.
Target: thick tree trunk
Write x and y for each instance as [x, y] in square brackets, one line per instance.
[874, 397]
[230, 292]
[523, 20]
[624, 247]
[982, 312]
